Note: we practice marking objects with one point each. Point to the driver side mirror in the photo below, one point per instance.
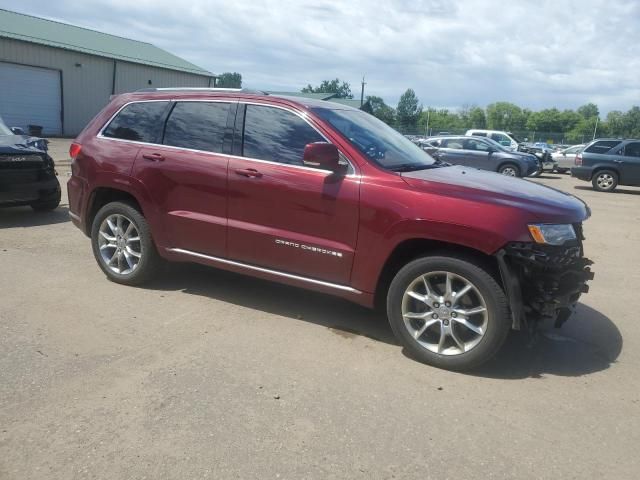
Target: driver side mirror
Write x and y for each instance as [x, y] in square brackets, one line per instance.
[322, 155]
[17, 131]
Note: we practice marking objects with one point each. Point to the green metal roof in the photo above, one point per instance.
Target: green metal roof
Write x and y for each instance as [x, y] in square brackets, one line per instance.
[315, 96]
[350, 102]
[61, 35]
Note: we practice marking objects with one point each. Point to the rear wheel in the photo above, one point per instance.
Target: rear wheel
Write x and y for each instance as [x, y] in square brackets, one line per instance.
[509, 169]
[122, 244]
[605, 181]
[448, 312]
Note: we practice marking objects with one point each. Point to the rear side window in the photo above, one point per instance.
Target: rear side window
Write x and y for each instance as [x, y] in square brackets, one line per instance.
[141, 122]
[602, 146]
[276, 135]
[197, 125]
[632, 149]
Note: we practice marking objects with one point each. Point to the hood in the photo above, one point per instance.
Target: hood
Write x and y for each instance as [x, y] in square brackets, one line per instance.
[21, 144]
[545, 204]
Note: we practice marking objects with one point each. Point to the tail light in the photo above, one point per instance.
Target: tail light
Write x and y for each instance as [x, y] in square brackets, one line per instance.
[578, 160]
[74, 150]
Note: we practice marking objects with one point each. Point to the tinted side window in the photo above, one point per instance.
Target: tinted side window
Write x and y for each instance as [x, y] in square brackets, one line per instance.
[276, 135]
[602, 146]
[479, 134]
[141, 122]
[197, 125]
[632, 149]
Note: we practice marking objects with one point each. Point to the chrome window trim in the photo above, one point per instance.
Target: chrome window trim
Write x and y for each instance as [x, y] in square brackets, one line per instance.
[101, 136]
[255, 268]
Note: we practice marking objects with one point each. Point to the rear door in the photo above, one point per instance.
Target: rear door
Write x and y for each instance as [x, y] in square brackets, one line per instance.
[283, 215]
[186, 174]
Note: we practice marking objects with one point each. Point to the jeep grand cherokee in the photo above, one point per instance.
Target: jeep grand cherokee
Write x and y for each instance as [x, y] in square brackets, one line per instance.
[326, 197]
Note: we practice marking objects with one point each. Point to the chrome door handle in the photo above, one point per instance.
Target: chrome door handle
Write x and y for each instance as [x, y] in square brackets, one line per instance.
[248, 172]
[153, 157]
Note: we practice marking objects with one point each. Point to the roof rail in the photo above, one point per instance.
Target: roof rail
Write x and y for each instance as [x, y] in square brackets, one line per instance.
[202, 89]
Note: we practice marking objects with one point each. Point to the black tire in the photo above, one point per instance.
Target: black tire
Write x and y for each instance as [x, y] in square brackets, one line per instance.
[48, 204]
[498, 322]
[508, 167]
[149, 262]
[605, 181]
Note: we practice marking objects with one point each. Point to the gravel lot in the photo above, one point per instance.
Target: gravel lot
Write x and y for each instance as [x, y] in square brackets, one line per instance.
[206, 374]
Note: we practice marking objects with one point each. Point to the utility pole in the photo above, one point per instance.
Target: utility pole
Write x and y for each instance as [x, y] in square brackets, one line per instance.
[596, 128]
[362, 92]
[427, 129]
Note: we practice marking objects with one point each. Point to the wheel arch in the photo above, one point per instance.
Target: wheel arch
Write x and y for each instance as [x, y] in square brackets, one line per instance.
[413, 248]
[101, 196]
[600, 167]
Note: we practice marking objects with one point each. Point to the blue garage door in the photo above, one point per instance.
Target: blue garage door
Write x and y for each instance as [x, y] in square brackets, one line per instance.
[30, 96]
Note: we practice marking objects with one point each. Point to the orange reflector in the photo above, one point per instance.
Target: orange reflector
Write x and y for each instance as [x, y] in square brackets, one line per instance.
[536, 233]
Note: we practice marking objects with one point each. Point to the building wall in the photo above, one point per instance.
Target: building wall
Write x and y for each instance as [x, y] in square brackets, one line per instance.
[86, 88]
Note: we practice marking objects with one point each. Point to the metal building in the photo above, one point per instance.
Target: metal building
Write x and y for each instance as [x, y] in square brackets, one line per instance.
[58, 76]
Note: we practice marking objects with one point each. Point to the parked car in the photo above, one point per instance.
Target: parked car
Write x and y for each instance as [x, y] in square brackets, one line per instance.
[482, 153]
[607, 163]
[329, 198]
[506, 139]
[565, 159]
[27, 172]
[544, 153]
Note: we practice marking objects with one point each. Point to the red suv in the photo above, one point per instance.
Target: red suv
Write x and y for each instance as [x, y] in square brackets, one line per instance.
[326, 197]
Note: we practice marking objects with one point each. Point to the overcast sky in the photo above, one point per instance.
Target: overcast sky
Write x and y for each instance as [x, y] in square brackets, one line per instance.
[537, 54]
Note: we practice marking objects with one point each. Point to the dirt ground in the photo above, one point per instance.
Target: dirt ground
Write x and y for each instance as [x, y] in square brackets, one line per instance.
[207, 374]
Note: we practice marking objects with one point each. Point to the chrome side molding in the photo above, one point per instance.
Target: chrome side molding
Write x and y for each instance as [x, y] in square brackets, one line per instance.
[254, 268]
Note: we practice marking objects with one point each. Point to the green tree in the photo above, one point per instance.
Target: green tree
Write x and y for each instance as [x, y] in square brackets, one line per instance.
[505, 116]
[376, 107]
[549, 120]
[229, 80]
[408, 111]
[589, 110]
[477, 118]
[440, 120]
[341, 89]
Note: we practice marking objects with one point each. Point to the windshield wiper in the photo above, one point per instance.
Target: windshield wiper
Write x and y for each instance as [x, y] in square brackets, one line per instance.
[412, 167]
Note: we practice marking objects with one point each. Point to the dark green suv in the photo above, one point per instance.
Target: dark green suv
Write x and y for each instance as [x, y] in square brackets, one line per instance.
[607, 163]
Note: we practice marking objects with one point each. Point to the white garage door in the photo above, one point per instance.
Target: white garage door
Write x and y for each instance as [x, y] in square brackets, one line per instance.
[30, 96]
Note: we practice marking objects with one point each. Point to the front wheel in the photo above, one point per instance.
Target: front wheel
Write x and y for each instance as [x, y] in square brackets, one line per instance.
[510, 170]
[605, 181]
[122, 244]
[448, 312]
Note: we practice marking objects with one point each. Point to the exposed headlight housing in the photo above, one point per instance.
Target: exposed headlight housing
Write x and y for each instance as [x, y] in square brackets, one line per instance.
[552, 234]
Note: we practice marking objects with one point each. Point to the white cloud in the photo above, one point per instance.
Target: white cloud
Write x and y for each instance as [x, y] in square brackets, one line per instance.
[536, 54]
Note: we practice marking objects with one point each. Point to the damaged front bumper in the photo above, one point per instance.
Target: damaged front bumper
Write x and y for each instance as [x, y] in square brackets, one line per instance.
[543, 282]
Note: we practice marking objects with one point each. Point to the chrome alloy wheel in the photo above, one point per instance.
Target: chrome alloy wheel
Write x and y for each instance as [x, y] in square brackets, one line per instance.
[119, 243]
[509, 171]
[445, 313]
[605, 181]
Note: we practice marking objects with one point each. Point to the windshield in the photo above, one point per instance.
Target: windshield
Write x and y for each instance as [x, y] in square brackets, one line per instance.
[4, 130]
[377, 140]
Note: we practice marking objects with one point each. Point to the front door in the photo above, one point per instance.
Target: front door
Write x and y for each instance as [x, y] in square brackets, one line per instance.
[187, 175]
[283, 215]
[630, 166]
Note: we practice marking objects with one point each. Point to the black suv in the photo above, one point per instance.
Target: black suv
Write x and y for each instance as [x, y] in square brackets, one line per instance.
[27, 172]
[608, 163]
